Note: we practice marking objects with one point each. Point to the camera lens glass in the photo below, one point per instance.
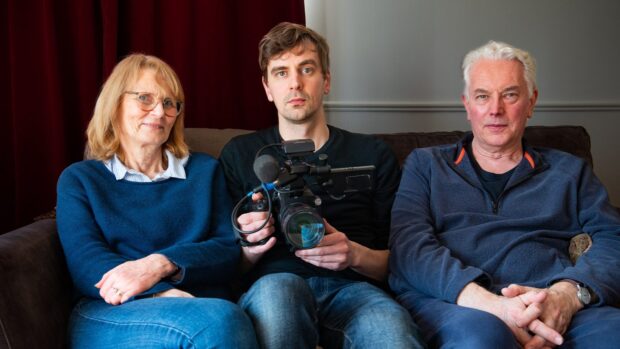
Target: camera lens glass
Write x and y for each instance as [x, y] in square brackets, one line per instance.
[302, 226]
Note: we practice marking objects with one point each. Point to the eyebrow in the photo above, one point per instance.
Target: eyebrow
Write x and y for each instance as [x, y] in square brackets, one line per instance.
[308, 62]
[509, 88]
[302, 63]
[277, 69]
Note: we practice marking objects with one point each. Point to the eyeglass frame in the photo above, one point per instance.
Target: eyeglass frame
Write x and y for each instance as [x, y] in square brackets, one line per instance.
[178, 109]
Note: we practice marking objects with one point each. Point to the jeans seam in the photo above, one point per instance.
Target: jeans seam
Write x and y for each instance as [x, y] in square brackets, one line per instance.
[134, 323]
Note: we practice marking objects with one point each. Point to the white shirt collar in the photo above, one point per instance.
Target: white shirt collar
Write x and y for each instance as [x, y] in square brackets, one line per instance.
[176, 169]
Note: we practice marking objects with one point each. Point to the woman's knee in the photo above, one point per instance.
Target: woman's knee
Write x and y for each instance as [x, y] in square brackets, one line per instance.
[221, 324]
[162, 322]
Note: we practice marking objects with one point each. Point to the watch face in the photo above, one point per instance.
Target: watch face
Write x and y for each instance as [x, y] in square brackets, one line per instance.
[584, 295]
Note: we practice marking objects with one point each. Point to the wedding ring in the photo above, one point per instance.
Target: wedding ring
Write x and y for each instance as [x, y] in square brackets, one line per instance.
[117, 291]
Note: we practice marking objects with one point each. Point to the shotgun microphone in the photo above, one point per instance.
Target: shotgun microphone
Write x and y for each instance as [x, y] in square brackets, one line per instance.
[266, 168]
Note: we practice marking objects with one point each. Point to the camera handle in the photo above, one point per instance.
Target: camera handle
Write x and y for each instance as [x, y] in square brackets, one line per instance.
[265, 187]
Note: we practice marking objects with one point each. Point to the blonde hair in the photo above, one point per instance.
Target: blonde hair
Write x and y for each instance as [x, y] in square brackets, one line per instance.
[103, 129]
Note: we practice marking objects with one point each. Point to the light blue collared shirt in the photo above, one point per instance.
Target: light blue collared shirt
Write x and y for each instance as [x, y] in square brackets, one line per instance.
[176, 169]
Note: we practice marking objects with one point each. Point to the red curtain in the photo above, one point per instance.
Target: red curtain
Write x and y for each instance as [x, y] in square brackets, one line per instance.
[57, 53]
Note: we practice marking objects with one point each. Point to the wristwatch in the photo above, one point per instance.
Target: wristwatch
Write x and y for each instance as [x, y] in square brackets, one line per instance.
[583, 293]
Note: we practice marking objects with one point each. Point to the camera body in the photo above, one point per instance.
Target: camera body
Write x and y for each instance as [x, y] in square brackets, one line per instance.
[292, 200]
[298, 217]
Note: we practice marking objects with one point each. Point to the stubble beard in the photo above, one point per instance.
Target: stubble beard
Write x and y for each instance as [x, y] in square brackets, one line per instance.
[299, 116]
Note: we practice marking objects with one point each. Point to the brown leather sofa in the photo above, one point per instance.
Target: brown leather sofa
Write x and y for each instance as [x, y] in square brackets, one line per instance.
[35, 288]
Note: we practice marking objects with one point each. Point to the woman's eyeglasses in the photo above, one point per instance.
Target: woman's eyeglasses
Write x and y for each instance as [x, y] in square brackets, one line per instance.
[148, 102]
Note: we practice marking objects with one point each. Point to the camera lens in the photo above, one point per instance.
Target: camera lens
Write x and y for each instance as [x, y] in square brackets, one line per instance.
[302, 226]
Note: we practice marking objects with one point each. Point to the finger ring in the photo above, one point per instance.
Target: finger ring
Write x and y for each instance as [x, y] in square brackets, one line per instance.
[117, 291]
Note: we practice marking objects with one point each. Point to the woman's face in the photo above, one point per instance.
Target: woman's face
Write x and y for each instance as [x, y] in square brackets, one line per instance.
[141, 127]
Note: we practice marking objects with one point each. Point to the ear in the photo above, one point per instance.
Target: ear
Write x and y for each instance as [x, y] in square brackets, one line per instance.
[465, 102]
[327, 85]
[267, 89]
[532, 101]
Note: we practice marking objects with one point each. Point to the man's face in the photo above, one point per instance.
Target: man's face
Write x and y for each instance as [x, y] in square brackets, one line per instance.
[296, 85]
[498, 106]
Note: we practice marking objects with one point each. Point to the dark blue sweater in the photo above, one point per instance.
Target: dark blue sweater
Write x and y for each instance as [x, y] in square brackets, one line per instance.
[448, 231]
[103, 222]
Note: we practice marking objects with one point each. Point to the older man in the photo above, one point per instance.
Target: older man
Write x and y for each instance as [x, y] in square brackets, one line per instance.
[480, 229]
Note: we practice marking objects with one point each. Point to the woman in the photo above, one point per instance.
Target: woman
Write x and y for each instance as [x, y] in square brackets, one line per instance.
[145, 225]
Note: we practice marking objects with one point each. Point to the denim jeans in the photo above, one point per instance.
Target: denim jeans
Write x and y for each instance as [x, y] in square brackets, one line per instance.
[160, 323]
[447, 325]
[289, 311]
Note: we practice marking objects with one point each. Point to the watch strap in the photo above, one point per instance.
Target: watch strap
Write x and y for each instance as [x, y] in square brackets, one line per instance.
[587, 300]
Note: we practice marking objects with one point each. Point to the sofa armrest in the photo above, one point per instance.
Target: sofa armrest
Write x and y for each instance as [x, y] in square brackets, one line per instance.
[36, 290]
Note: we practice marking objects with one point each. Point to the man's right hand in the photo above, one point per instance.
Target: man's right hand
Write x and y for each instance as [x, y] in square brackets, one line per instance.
[251, 221]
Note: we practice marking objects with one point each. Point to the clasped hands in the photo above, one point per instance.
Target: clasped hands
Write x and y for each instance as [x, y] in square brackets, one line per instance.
[131, 278]
[539, 317]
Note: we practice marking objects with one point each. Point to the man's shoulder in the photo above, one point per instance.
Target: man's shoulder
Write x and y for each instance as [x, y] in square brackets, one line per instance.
[431, 156]
[251, 140]
[360, 142]
[354, 136]
[246, 145]
[559, 160]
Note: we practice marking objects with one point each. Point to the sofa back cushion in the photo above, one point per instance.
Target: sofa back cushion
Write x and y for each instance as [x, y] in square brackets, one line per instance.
[571, 139]
[210, 140]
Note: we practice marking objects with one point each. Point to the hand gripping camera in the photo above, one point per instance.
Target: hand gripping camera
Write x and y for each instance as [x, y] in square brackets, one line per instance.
[287, 192]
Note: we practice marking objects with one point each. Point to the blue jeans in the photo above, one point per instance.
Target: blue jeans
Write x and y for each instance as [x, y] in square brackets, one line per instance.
[289, 311]
[160, 323]
[447, 325]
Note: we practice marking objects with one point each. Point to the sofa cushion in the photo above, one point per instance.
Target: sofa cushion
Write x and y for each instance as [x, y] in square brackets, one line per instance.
[35, 288]
[571, 139]
[210, 140]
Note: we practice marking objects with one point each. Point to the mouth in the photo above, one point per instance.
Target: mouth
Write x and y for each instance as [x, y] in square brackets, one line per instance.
[153, 126]
[297, 101]
[496, 127]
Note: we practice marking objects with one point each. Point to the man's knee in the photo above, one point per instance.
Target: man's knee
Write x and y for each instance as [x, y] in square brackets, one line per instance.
[595, 327]
[475, 329]
[278, 298]
[276, 291]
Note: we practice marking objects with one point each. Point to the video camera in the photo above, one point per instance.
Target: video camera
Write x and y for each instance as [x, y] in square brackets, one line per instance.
[293, 200]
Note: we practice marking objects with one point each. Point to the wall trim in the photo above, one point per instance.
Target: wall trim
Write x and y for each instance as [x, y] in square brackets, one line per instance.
[416, 107]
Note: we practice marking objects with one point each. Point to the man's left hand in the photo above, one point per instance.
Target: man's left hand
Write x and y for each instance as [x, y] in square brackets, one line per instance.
[558, 308]
[334, 252]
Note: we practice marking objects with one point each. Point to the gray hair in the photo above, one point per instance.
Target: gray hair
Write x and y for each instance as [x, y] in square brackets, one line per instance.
[501, 51]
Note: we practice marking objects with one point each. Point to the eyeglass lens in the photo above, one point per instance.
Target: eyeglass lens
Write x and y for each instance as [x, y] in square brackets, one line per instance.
[148, 101]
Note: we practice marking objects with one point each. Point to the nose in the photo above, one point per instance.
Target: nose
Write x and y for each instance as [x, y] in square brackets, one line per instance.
[158, 109]
[295, 81]
[497, 106]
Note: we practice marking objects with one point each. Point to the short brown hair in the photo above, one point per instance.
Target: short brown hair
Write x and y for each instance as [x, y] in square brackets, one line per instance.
[103, 129]
[286, 36]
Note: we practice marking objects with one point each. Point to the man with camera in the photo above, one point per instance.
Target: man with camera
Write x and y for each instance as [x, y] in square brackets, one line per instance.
[330, 294]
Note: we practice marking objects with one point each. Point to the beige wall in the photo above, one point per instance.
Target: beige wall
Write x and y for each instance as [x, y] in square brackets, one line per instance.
[396, 64]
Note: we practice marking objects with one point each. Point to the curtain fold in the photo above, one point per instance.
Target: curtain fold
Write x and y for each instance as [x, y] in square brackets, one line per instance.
[57, 53]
